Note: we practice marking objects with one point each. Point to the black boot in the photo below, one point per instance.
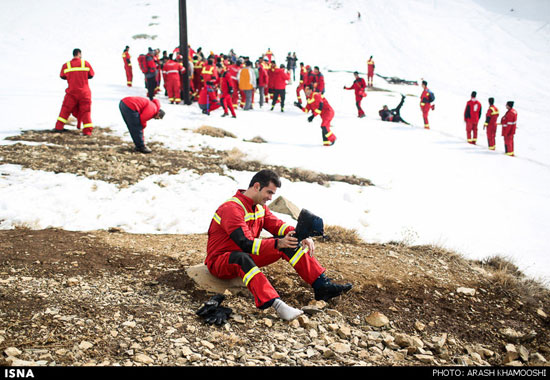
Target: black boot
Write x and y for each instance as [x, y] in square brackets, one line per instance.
[325, 289]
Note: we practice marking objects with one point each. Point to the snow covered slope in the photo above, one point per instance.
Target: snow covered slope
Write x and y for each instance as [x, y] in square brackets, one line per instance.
[431, 187]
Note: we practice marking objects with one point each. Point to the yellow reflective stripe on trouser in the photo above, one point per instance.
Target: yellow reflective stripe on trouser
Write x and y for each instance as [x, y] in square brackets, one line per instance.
[282, 230]
[217, 218]
[89, 125]
[256, 246]
[64, 121]
[329, 134]
[299, 253]
[251, 273]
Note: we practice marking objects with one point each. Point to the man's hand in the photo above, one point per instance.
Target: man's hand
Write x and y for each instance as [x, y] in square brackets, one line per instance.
[289, 241]
[310, 244]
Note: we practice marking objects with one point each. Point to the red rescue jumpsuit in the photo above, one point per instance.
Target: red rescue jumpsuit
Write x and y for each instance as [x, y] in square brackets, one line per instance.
[235, 249]
[318, 105]
[491, 125]
[172, 71]
[426, 106]
[128, 67]
[472, 114]
[359, 87]
[301, 86]
[227, 89]
[78, 97]
[370, 71]
[508, 122]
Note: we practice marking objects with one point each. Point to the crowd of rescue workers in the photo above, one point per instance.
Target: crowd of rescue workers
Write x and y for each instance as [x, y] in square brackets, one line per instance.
[231, 82]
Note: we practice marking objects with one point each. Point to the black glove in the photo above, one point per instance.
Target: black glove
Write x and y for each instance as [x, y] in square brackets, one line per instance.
[219, 316]
[297, 104]
[211, 305]
[310, 119]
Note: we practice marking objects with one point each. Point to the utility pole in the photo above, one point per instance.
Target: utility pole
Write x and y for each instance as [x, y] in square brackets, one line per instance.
[184, 50]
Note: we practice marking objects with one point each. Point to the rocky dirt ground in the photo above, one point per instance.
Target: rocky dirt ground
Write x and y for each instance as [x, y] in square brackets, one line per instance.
[109, 298]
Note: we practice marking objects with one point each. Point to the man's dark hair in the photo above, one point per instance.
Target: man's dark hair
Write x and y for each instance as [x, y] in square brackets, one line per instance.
[424, 83]
[474, 94]
[265, 177]
[510, 104]
[76, 51]
[491, 101]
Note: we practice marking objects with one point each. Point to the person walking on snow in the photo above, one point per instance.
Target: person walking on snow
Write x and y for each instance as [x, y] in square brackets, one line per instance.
[426, 99]
[280, 79]
[127, 66]
[78, 97]
[359, 86]
[370, 71]
[508, 123]
[472, 114]
[318, 105]
[136, 112]
[490, 125]
[236, 250]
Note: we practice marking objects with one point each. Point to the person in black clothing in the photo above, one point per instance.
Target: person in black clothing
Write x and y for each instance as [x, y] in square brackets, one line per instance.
[393, 115]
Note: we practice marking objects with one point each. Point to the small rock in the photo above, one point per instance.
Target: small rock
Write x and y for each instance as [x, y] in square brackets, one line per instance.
[537, 359]
[377, 319]
[340, 348]
[419, 326]
[466, 291]
[73, 281]
[541, 313]
[142, 358]
[84, 345]
[12, 351]
[428, 359]
[523, 353]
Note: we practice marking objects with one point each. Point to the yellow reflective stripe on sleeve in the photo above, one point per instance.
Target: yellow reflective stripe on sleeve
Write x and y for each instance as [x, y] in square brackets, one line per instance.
[256, 246]
[251, 273]
[62, 120]
[317, 111]
[299, 253]
[217, 218]
[282, 230]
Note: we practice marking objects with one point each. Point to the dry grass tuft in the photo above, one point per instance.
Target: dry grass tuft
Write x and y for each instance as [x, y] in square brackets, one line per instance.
[337, 234]
[214, 132]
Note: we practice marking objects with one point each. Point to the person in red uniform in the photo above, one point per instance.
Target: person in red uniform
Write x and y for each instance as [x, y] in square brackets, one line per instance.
[359, 86]
[426, 100]
[136, 112]
[172, 72]
[370, 71]
[235, 249]
[208, 98]
[490, 125]
[262, 82]
[318, 105]
[127, 66]
[508, 123]
[472, 114]
[300, 88]
[78, 97]
[280, 78]
[226, 89]
[317, 80]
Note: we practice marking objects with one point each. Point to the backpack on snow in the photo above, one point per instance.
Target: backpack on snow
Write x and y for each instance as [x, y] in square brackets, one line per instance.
[142, 63]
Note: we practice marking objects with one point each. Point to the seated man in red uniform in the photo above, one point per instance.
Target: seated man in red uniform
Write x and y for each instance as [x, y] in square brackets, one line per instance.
[235, 248]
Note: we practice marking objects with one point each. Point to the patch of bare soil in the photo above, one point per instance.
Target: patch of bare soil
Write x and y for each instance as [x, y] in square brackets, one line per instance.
[107, 298]
[106, 157]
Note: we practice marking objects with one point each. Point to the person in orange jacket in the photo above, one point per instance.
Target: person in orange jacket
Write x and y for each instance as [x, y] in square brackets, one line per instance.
[472, 114]
[318, 105]
[136, 112]
[490, 125]
[426, 99]
[236, 250]
[127, 66]
[172, 72]
[370, 71]
[508, 123]
[78, 97]
[360, 87]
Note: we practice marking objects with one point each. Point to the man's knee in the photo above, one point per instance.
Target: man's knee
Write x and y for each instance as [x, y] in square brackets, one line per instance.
[243, 260]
